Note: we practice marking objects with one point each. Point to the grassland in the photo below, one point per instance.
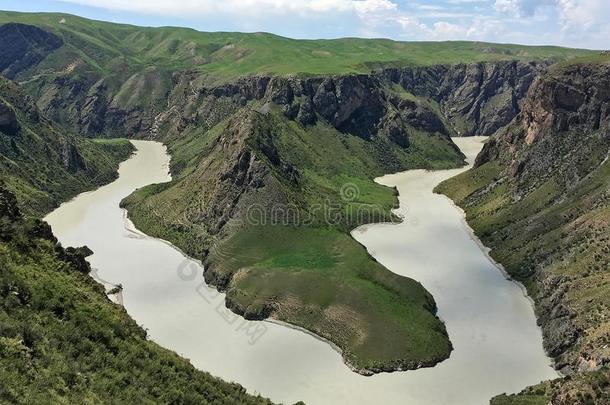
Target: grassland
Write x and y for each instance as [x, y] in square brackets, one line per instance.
[107, 48]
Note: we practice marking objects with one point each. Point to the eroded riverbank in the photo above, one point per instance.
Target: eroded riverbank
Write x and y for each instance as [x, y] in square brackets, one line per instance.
[497, 344]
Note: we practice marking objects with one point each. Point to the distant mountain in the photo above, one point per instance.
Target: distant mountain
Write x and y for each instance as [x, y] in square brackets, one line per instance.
[105, 46]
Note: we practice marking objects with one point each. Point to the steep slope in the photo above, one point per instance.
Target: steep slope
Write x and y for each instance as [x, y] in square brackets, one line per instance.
[63, 341]
[266, 203]
[476, 98]
[42, 163]
[539, 197]
[28, 46]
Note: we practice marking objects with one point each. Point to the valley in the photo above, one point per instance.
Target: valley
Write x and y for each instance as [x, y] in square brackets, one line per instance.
[274, 146]
[163, 291]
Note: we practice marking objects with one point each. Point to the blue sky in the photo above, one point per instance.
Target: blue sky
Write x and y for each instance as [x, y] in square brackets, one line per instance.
[577, 23]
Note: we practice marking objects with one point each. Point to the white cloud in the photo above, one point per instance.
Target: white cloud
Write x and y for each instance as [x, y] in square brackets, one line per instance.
[241, 7]
[445, 30]
[585, 13]
[525, 8]
[577, 22]
[567, 22]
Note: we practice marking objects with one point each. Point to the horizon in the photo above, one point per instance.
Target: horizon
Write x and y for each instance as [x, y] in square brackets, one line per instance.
[365, 23]
[294, 38]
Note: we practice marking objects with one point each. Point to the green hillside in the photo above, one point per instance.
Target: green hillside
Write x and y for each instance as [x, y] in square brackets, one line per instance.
[539, 197]
[62, 341]
[103, 46]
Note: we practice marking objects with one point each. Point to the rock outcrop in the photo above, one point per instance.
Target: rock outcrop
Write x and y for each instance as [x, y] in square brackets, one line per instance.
[8, 119]
[477, 99]
[473, 99]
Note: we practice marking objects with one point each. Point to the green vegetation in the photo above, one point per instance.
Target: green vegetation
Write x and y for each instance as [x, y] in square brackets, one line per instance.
[291, 257]
[590, 388]
[320, 279]
[42, 163]
[520, 399]
[63, 341]
[104, 47]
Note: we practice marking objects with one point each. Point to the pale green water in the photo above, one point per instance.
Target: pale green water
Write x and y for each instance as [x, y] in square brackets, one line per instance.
[498, 346]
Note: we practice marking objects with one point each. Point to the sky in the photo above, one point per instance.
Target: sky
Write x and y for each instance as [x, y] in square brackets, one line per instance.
[574, 23]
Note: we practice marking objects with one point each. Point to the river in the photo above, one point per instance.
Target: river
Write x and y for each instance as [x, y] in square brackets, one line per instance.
[491, 323]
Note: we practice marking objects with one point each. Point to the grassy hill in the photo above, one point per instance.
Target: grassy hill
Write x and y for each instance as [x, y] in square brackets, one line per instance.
[259, 197]
[63, 341]
[105, 46]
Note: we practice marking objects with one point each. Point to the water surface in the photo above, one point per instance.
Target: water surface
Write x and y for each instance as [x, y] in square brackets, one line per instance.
[498, 347]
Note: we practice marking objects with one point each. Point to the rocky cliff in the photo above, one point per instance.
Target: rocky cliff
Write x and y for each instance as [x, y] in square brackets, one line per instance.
[459, 100]
[41, 162]
[476, 99]
[464, 99]
[539, 197]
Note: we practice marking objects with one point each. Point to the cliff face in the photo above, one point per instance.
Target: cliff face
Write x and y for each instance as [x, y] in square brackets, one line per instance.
[360, 105]
[539, 196]
[476, 99]
[352, 104]
[42, 163]
[156, 102]
[473, 99]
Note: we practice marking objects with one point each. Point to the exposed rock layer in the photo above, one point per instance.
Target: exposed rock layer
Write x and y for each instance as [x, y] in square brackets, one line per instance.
[473, 99]
[466, 99]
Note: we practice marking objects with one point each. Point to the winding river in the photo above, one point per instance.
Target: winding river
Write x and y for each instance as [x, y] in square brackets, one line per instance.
[498, 347]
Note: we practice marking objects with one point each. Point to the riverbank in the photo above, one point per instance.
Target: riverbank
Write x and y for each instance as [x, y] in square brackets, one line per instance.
[182, 313]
